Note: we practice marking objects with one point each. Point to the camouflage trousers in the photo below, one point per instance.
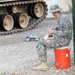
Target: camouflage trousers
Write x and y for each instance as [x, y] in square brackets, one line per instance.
[42, 46]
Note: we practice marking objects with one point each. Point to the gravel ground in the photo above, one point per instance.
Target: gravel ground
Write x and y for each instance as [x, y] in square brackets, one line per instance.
[17, 55]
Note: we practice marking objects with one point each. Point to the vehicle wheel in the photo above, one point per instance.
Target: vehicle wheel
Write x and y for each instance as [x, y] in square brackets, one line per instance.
[30, 11]
[12, 9]
[21, 20]
[36, 10]
[6, 22]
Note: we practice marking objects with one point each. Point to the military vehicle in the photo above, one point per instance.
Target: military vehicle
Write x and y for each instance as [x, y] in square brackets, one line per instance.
[21, 15]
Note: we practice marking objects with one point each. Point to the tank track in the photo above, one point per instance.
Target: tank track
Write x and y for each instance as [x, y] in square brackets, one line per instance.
[32, 24]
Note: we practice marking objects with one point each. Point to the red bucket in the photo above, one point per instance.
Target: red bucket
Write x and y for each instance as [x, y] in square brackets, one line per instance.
[62, 58]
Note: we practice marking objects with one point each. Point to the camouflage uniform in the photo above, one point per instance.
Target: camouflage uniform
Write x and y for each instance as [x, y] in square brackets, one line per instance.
[62, 37]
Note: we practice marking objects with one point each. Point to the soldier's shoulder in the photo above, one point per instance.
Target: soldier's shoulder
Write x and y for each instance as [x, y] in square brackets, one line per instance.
[64, 16]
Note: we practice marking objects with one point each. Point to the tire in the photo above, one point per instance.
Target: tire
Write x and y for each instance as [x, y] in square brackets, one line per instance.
[30, 11]
[21, 20]
[12, 9]
[36, 10]
[6, 22]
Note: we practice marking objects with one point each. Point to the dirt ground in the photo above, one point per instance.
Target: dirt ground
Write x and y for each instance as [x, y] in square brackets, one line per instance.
[17, 56]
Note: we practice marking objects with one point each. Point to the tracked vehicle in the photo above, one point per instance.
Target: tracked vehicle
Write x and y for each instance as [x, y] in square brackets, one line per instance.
[20, 15]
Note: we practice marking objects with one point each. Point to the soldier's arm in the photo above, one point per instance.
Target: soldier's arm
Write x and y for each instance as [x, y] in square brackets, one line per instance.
[65, 29]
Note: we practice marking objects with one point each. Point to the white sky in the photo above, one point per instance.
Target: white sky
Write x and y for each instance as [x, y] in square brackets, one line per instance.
[49, 3]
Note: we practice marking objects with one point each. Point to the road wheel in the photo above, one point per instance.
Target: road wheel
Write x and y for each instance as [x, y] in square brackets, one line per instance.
[21, 20]
[36, 10]
[30, 11]
[7, 22]
[12, 9]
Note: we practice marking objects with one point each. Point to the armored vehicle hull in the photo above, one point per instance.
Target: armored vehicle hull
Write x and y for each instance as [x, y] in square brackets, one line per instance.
[21, 15]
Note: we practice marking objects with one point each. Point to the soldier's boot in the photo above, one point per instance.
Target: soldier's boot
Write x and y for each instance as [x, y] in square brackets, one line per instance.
[37, 63]
[41, 67]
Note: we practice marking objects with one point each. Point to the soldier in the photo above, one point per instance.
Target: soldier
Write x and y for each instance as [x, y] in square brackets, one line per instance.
[61, 37]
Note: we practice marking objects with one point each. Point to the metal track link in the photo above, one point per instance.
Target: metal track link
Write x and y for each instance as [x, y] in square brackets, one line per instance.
[31, 26]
